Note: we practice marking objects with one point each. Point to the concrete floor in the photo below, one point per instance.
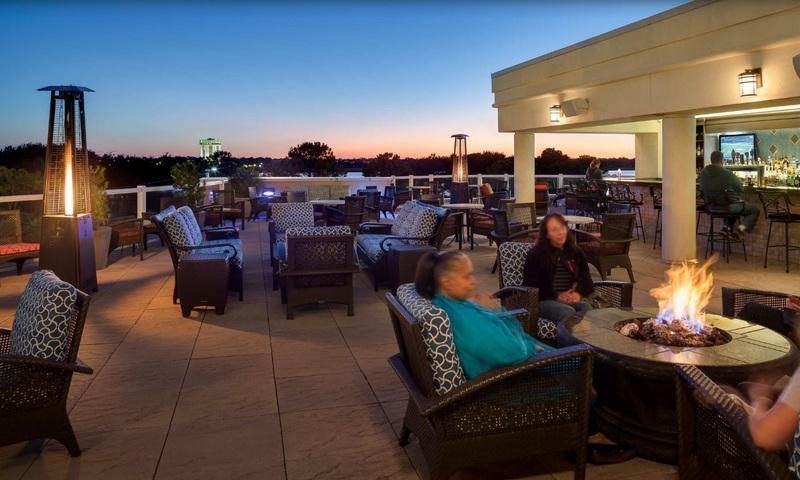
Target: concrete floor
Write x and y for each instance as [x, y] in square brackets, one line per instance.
[252, 395]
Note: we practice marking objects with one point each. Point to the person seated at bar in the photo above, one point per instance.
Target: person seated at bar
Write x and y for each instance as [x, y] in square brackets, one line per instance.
[594, 172]
[722, 189]
[485, 336]
[558, 268]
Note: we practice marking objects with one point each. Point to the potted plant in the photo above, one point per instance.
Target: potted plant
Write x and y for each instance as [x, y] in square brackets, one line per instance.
[244, 182]
[100, 212]
[188, 190]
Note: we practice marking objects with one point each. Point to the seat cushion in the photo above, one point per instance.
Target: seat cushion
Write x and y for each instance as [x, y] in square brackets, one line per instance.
[370, 244]
[287, 215]
[440, 349]
[513, 256]
[318, 231]
[191, 222]
[238, 258]
[128, 233]
[15, 248]
[41, 325]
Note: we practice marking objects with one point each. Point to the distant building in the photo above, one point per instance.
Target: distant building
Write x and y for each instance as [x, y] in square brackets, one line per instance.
[208, 146]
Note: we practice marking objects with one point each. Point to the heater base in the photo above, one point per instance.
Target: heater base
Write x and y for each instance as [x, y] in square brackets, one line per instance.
[67, 248]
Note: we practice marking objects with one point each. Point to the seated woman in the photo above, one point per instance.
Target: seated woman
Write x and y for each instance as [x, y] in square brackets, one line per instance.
[773, 424]
[484, 335]
[558, 268]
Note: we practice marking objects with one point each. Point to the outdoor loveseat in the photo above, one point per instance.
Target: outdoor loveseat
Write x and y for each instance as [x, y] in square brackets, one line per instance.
[416, 223]
[182, 233]
[12, 248]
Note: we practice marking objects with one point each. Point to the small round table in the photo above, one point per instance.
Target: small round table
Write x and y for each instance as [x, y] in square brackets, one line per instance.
[573, 220]
[467, 208]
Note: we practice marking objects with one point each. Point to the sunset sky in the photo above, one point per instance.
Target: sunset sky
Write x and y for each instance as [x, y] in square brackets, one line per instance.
[364, 77]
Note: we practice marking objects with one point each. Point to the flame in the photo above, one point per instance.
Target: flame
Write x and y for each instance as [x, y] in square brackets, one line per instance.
[685, 295]
[69, 195]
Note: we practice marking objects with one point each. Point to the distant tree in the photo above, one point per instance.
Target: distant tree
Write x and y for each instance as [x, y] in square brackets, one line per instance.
[186, 178]
[314, 159]
[223, 162]
[385, 165]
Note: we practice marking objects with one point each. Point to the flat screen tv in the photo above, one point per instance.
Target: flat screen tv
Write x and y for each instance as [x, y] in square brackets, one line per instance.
[739, 148]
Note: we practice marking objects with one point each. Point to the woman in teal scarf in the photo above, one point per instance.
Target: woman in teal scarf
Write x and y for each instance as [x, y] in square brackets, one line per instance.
[485, 336]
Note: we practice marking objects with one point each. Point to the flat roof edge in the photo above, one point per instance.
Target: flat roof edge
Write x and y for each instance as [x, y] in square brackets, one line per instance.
[672, 12]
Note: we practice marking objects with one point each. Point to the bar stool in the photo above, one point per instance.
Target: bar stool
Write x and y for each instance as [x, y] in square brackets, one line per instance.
[655, 194]
[778, 209]
[723, 213]
[623, 194]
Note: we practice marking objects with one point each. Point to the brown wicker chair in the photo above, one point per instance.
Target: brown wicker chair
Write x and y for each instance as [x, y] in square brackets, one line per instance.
[282, 216]
[127, 231]
[714, 441]
[401, 197]
[12, 248]
[504, 231]
[372, 203]
[232, 209]
[33, 397]
[318, 265]
[352, 214]
[535, 407]
[611, 249]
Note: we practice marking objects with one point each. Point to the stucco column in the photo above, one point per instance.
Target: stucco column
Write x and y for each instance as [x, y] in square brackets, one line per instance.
[524, 175]
[648, 156]
[678, 215]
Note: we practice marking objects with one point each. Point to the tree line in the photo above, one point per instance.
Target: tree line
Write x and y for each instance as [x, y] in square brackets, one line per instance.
[306, 159]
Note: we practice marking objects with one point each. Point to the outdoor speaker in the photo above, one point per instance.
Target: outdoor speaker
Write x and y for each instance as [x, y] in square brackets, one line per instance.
[574, 107]
[796, 61]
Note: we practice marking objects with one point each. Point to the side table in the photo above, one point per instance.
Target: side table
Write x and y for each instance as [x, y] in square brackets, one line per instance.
[402, 260]
[202, 279]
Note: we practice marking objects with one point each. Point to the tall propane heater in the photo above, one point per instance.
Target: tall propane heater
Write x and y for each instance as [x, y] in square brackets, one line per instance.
[67, 244]
[459, 189]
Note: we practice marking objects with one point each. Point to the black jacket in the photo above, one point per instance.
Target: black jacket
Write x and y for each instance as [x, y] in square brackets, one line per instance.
[540, 271]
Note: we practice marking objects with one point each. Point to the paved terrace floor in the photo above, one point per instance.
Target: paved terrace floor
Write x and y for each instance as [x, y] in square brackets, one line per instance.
[252, 395]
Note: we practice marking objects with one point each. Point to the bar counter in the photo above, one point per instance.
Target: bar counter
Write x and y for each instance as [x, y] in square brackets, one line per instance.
[756, 241]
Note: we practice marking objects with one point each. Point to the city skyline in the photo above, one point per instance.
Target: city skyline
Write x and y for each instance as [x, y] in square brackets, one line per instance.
[363, 78]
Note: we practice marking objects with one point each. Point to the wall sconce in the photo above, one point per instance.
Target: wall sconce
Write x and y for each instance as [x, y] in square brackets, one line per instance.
[749, 81]
[459, 188]
[555, 113]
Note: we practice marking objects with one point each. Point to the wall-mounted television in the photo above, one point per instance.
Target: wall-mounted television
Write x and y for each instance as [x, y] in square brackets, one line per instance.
[738, 148]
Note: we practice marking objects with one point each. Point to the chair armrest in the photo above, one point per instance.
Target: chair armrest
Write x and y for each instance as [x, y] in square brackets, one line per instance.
[77, 367]
[221, 233]
[498, 376]
[119, 223]
[206, 247]
[584, 237]
[306, 273]
[527, 298]
[372, 227]
[391, 237]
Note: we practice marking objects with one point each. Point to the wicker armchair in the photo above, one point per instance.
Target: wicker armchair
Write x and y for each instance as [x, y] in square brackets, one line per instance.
[232, 209]
[283, 216]
[612, 248]
[12, 248]
[504, 231]
[714, 442]
[127, 231]
[535, 407]
[318, 265]
[372, 203]
[352, 214]
[513, 255]
[400, 198]
[33, 397]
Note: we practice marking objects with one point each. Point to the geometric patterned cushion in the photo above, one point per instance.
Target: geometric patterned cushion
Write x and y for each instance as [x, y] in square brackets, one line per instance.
[41, 323]
[440, 349]
[399, 225]
[237, 259]
[424, 223]
[178, 231]
[191, 222]
[547, 329]
[513, 256]
[13, 248]
[409, 224]
[318, 231]
[288, 215]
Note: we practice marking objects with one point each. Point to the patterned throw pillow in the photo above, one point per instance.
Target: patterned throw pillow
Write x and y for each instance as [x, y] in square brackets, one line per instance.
[424, 223]
[399, 227]
[191, 222]
[513, 256]
[440, 347]
[547, 329]
[163, 213]
[178, 231]
[41, 323]
[288, 215]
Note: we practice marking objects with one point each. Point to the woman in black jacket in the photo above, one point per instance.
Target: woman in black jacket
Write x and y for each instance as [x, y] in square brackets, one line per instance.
[558, 268]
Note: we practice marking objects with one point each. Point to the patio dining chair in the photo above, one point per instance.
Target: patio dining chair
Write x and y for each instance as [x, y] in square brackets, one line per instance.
[352, 213]
[232, 209]
[611, 249]
[37, 359]
[504, 231]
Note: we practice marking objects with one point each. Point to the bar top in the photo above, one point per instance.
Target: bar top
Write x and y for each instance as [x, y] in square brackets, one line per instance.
[657, 181]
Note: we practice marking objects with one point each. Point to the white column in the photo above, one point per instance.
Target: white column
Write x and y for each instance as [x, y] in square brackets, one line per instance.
[141, 200]
[678, 189]
[524, 173]
[648, 156]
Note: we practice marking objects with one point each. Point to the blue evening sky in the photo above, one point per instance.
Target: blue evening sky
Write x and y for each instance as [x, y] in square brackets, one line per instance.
[364, 77]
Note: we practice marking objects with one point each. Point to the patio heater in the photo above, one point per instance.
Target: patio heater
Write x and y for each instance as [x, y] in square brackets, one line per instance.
[67, 244]
[459, 188]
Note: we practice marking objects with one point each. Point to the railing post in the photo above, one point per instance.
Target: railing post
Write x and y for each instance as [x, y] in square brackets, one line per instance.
[141, 200]
[560, 181]
[410, 181]
[480, 179]
[393, 181]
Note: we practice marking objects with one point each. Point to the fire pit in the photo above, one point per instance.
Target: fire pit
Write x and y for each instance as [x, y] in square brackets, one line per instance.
[634, 367]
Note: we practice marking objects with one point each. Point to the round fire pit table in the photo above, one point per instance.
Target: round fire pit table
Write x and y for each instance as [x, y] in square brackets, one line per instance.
[635, 380]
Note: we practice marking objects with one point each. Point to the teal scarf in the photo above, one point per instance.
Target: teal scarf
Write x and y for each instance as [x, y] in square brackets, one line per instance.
[486, 339]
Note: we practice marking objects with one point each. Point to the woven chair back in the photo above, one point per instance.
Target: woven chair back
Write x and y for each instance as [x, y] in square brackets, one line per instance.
[10, 227]
[411, 345]
[618, 226]
[354, 204]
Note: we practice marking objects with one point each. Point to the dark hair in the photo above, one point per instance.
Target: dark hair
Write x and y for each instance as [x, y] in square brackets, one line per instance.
[431, 267]
[716, 157]
[543, 245]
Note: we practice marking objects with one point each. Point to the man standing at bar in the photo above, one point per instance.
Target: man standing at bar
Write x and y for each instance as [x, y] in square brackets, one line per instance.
[722, 190]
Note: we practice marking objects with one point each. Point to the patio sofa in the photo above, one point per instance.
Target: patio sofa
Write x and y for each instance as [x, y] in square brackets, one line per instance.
[416, 223]
[12, 248]
[182, 233]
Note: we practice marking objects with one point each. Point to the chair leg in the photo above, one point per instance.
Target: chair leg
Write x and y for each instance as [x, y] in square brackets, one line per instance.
[20, 262]
[67, 438]
[786, 244]
[496, 261]
[766, 250]
[658, 228]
